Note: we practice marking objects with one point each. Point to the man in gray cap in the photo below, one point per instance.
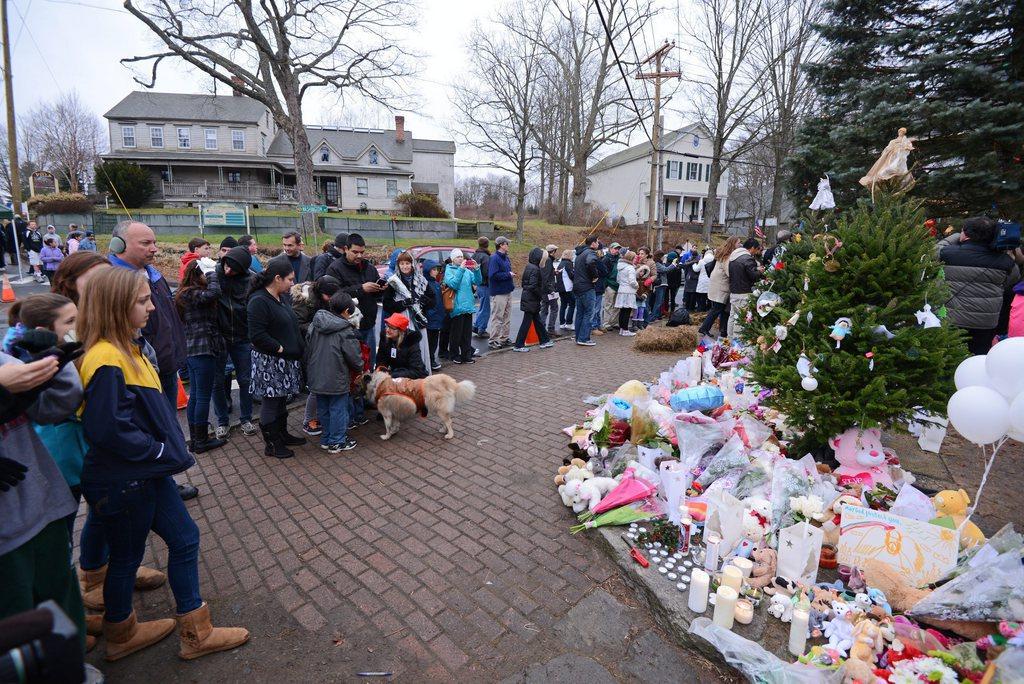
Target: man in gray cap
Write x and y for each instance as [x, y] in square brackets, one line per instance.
[500, 285]
[549, 300]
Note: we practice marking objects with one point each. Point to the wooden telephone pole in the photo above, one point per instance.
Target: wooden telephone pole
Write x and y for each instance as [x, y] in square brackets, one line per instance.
[12, 131]
[655, 203]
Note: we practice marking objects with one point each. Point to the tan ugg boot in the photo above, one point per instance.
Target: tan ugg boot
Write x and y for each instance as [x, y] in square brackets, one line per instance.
[199, 637]
[94, 625]
[90, 642]
[125, 638]
[91, 584]
[148, 578]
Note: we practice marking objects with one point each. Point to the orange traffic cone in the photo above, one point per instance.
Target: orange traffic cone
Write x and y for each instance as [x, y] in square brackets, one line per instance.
[182, 396]
[8, 291]
[531, 336]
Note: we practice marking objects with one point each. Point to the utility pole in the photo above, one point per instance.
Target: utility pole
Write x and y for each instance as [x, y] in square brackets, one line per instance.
[654, 205]
[12, 131]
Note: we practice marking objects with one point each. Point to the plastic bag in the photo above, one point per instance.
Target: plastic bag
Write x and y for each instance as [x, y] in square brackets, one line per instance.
[757, 664]
[753, 480]
[731, 456]
[753, 432]
[987, 593]
[790, 478]
[620, 408]
[696, 435]
[675, 480]
[1010, 667]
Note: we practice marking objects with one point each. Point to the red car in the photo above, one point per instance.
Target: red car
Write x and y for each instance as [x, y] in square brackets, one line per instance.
[422, 253]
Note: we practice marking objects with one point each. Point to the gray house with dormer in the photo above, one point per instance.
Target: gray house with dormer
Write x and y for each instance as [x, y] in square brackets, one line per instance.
[205, 148]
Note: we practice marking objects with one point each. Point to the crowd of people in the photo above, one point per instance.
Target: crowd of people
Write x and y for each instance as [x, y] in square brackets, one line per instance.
[45, 250]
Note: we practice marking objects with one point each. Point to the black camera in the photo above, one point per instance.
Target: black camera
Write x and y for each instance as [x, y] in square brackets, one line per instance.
[41, 645]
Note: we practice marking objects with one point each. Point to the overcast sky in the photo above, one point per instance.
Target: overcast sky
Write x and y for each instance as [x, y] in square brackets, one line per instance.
[77, 44]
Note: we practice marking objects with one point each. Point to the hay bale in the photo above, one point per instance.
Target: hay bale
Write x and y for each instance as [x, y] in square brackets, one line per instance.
[697, 317]
[662, 339]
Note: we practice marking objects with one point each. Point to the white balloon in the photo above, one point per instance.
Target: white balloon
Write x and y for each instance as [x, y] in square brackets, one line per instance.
[1017, 414]
[980, 414]
[1005, 366]
[1015, 434]
[971, 372]
[809, 383]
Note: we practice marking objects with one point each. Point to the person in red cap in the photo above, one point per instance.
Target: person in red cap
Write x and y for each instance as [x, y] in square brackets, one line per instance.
[399, 350]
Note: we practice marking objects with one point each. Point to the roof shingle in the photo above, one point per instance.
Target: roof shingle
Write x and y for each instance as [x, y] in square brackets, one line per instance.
[187, 107]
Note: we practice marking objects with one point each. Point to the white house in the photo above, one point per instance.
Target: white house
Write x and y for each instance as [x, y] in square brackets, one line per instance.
[620, 182]
[201, 148]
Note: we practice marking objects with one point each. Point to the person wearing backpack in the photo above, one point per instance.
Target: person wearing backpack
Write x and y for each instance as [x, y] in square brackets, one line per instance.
[610, 264]
[980, 277]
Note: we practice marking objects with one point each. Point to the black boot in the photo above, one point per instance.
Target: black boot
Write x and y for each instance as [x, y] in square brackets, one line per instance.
[274, 444]
[202, 442]
[281, 424]
[191, 438]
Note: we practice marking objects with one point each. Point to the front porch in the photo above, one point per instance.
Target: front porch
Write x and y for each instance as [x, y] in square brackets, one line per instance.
[243, 191]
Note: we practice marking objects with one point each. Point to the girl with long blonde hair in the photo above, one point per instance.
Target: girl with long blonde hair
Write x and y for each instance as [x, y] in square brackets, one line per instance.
[718, 289]
[135, 446]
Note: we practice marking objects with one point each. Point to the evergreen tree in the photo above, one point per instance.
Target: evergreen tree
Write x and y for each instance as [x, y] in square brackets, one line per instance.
[950, 72]
[884, 272]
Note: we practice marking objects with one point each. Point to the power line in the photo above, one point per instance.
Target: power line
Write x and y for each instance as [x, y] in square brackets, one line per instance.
[22, 27]
[42, 55]
[90, 6]
[618, 63]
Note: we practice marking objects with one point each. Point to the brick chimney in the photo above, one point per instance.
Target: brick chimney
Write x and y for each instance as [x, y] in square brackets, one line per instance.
[400, 129]
[238, 84]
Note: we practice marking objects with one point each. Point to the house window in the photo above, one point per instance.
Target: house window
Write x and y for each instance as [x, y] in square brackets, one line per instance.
[325, 155]
[692, 171]
[373, 157]
[156, 136]
[128, 136]
[392, 188]
[362, 187]
[238, 140]
[210, 138]
[184, 138]
[165, 175]
[670, 170]
[263, 143]
[234, 176]
[707, 172]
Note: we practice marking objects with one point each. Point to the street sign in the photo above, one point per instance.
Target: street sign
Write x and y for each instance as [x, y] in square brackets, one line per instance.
[224, 214]
[313, 208]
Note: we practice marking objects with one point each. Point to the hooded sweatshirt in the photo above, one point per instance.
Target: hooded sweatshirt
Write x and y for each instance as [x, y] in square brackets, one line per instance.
[332, 354]
[232, 315]
[186, 259]
[533, 283]
[436, 313]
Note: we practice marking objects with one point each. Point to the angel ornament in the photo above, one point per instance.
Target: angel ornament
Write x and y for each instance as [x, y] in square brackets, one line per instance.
[824, 198]
[891, 164]
[927, 319]
[840, 329]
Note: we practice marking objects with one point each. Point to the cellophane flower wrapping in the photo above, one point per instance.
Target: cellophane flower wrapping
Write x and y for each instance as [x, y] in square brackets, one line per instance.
[697, 434]
[988, 592]
[732, 456]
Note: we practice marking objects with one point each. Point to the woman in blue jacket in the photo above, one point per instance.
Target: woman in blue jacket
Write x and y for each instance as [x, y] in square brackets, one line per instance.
[462, 279]
[135, 447]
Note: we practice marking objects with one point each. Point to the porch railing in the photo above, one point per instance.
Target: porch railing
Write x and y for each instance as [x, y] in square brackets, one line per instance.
[248, 192]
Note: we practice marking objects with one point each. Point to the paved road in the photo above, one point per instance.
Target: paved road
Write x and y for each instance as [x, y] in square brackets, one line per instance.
[435, 560]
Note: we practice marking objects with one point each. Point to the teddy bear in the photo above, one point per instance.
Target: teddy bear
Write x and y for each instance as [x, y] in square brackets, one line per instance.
[587, 493]
[578, 469]
[861, 458]
[781, 607]
[954, 504]
[839, 630]
[867, 644]
[830, 528]
[757, 518]
[765, 561]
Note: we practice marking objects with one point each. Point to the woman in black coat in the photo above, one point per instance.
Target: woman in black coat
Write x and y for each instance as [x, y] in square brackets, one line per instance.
[563, 278]
[533, 291]
[399, 349]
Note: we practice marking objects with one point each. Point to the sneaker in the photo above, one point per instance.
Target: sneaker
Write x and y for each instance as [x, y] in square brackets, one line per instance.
[347, 445]
[326, 447]
[357, 422]
[494, 345]
[568, 326]
[222, 431]
[480, 333]
[249, 428]
[588, 343]
[333, 448]
[312, 428]
[627, 333]
[506, 343]
[435, 366]
[469, 361]
[547, 345]
[458, 362]
[520, 349]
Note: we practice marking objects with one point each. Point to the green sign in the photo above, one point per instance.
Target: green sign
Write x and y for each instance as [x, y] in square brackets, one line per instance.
[313, 208]
[224, 214]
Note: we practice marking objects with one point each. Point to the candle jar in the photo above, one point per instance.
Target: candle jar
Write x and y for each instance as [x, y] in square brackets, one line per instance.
[684, 532]
[711, 551]
[798, 631]
[725, 607]
[744, 612]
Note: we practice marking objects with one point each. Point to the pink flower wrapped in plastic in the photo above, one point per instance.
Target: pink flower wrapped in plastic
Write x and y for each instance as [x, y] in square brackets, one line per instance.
[631, 488]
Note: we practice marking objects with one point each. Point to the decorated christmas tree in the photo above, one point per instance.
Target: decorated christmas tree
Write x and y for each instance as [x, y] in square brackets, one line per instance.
[837, 333]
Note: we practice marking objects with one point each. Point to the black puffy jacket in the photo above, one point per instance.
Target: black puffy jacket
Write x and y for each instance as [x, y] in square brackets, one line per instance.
[586, 271]
[979, 278]
[405, 360]
[532, 283]
[232, 313]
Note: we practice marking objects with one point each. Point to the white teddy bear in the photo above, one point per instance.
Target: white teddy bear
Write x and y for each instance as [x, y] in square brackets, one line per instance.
[588, 493]
[781, 607]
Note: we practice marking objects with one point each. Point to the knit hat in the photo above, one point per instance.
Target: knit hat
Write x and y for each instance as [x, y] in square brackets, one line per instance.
[238, 258]
[229, 242]
[397, 321]
[455, 253]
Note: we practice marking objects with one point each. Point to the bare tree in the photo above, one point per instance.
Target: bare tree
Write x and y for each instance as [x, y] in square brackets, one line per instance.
[578, 61]
[751, 179]
[69, 138]
[726, 34]
[276, 51]
[494, 106]
[29, 158]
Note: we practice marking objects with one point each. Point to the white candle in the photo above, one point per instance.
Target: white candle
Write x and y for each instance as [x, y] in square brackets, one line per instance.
[745, 565]
[798, 631]
[725, 606]
[744, 612]
[700, 584]
[732, 577]
[712, 543]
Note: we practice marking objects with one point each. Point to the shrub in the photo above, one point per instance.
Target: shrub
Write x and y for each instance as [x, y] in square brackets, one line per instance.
[133, 183]
[60, 203]
[420, 205]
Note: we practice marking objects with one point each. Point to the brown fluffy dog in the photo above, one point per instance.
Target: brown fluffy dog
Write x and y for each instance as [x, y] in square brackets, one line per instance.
[399, 400]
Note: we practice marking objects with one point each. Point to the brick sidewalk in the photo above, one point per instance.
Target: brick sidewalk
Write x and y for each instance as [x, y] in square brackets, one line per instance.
[438, 560]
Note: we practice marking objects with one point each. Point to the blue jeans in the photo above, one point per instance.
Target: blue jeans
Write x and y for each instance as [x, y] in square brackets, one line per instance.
[654, 311]
[357, 409]
[485, 308]
[595, 319]
[333, 412]
[240, 354]
[92, 546]
[128, 510]
[202, 373]
[585, 311]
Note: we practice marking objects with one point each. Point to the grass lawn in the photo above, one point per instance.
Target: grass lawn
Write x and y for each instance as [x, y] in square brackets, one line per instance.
[191, 211]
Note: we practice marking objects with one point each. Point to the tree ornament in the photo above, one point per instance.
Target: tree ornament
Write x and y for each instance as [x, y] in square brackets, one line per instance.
[823, 199]
[832, 245]
[781, 332]
[803, 366]
[870, 356]
[840, 329]
[766, 302]
[926, 319]
[880, 331]
[809, 383]
[794, 318]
